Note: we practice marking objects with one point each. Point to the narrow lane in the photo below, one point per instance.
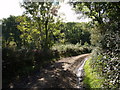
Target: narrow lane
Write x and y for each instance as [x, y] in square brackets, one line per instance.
[63, 73]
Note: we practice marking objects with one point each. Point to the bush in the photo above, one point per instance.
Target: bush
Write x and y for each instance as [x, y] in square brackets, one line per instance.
[108, 58]
[71, 49]
[106, 65]
[16, 63]
[22, 62]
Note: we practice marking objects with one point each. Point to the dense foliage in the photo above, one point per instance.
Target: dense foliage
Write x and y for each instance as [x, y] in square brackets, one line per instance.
[106, 37]
[76, 32]
[72, 49]
[10, 31]
[20, 63]
[39, 25]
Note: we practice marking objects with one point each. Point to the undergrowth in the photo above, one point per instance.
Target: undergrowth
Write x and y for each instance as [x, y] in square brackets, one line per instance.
[92, 78]
[71, 49]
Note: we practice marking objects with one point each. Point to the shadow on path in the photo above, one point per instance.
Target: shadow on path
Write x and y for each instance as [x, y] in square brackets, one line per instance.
[53, 76]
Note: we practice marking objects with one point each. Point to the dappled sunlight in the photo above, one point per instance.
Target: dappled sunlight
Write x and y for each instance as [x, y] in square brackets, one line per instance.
[47, 46]
[54, 75]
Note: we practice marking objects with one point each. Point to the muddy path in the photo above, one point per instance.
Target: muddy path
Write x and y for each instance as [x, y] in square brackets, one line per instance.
[60, 74]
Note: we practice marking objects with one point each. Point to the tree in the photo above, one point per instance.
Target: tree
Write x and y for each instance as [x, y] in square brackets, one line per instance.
[105, 35]
[10, 31]
[39, 24]
[76, 33]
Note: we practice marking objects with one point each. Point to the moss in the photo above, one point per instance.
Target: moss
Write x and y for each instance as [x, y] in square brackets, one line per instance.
[92, 79]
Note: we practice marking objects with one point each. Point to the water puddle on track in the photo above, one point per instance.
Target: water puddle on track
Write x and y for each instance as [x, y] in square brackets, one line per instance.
[79, 73]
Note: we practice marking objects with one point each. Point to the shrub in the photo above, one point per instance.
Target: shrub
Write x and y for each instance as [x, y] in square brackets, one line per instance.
[71, 49]
[23, 62]
[106, 64]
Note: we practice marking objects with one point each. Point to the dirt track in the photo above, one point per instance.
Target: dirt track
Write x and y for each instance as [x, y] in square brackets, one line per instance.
[60, 74]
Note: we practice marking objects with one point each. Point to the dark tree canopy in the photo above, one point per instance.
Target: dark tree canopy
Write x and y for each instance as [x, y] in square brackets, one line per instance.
[10, 31]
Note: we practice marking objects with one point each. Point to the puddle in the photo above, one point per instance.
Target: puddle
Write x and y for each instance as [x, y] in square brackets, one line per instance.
[79, 73]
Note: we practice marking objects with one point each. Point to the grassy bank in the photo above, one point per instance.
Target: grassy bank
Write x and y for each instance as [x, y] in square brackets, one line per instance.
[92, 78]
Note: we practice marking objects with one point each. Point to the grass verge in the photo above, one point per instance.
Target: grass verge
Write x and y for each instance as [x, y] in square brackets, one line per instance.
[92, 79]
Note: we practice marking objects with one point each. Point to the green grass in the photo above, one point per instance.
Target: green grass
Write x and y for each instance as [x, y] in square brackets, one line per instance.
[92, 79]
